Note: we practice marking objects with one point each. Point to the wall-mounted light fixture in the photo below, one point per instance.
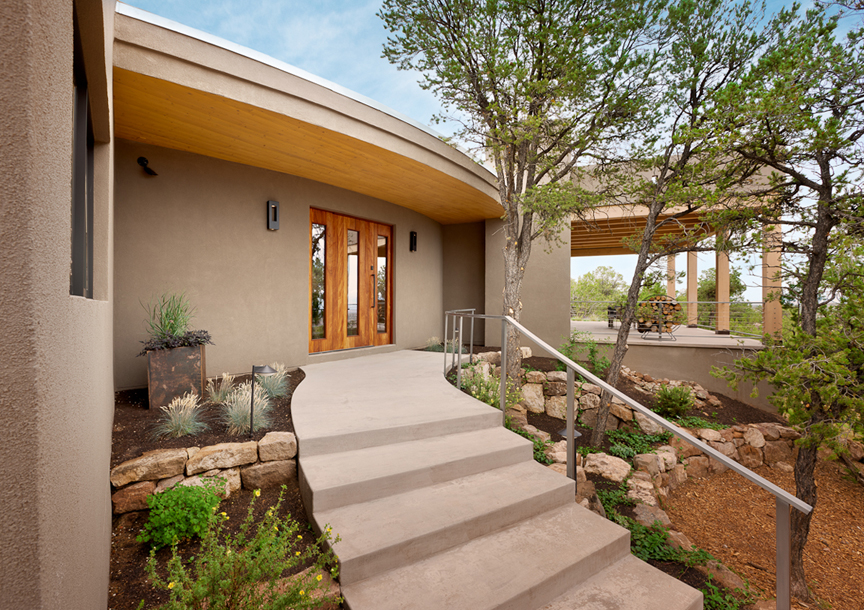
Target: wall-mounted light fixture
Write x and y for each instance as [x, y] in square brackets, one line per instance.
[273, 215]
[412, 242]
[142, 161]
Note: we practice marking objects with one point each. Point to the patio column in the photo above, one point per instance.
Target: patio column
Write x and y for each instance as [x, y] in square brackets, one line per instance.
[722, 291]
[772, 284]
[692, 290]
[670, 276]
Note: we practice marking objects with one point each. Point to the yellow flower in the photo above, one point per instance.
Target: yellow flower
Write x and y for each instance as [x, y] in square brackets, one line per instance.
[299, 537]
[257, 493]
[318, 578]
[276, 527]
[297, 553]
[170, 585]
[302, 592]
[227, 551]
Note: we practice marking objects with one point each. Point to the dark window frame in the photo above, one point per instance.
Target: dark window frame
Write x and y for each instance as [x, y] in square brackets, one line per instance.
[81, 271]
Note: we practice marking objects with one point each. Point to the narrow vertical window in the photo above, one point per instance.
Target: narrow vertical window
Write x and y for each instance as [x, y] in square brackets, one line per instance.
[381, 283]
[353, 328]
[81, 272]
[319, 245]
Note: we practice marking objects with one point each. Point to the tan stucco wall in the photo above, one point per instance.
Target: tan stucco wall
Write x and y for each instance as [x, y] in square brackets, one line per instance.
[465, 271]
[55, 364]
[200, 227]
[545, 288]
[694, 364]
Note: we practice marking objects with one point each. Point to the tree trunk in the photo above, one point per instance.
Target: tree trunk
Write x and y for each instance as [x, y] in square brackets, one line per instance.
[805, 486]
[599, 433]
[516, 253]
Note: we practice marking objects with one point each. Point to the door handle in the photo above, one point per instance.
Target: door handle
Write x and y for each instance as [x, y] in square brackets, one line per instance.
[374, 290]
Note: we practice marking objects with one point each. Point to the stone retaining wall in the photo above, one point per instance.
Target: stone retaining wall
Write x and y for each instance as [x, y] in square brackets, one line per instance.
[252, 465]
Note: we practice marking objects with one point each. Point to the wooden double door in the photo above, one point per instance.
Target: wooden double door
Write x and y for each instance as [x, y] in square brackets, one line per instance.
[350, 270]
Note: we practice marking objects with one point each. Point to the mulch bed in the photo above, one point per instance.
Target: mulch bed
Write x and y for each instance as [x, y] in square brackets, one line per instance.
[133, 425]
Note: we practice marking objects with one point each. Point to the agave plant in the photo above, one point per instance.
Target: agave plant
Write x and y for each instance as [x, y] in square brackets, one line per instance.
[235, 409]
[218, 391]
[275, 385]
[181, 417]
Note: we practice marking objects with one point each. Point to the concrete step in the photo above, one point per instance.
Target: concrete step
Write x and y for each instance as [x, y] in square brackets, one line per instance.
[521, 567]
[384, 534]
[629, 584]
[339, 479]
[396, 431]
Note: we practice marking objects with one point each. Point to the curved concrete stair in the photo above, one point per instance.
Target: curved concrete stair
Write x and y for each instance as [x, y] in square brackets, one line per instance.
[372, 473]
[439, 507]
[385, 534]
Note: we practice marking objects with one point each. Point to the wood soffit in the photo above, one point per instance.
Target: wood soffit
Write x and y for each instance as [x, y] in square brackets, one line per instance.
[604, 235]
[155, 111]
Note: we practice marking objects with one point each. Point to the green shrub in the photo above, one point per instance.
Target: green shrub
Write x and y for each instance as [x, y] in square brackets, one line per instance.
[275, 385]
[218, 391]
[244, 571]
[181, 417]
[580, 342]
[637, 442]
[691, 421]
[487, 388]
[622, 451]
[168, 316]
[235, 410]
[180, 512]
[673, 401]
[434, 344]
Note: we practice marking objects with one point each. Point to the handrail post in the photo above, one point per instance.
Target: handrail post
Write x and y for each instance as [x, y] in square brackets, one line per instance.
[784, 555]
[459, 357]
[453, 342]
[471, 349]
[503, 371]
[446, 320]
[571, 420]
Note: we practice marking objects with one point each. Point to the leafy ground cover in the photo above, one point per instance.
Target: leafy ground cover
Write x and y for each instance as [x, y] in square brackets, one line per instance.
[133, 435]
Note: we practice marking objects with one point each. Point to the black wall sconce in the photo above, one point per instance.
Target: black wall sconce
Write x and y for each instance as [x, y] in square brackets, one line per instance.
[143, 162]
[412, 242]
[273, 215]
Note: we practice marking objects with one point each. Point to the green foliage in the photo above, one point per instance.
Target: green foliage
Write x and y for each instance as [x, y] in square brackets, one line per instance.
[487, 388]
[244, 571]
[584, 450]
[650, 542]
[673, 401]
[434, 344]
[180, 512]
[594, 291]
[236, 409]
[218, 391]
[168, 316]
[624, 452]
[580, 342]
[715, 598]
[539, 444]
[691, 421]
[611, 499]
[637, 442]
[181, 417]
[276, 385]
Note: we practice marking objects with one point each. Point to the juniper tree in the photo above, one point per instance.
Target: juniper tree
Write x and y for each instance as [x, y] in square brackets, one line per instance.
[538, 86]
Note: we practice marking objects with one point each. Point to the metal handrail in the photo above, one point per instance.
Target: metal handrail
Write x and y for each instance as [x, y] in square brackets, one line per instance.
[783, 499]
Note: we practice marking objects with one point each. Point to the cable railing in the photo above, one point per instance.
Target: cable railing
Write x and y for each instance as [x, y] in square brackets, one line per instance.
[784, 501]
[743, 318]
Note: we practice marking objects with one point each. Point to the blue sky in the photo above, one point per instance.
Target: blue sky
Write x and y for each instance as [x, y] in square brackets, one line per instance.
[341, 41]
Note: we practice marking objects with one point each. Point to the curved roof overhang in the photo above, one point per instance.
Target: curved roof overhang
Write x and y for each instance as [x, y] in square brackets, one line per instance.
[182, 89]
[611, 226]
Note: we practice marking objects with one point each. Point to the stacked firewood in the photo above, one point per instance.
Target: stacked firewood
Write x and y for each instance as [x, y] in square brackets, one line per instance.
[659, 314]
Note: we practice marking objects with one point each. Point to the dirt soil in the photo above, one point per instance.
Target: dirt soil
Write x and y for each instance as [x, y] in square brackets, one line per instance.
[733, 519]
[133, 424]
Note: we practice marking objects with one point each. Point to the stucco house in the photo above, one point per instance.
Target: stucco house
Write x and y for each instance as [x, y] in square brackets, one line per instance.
[403, 225]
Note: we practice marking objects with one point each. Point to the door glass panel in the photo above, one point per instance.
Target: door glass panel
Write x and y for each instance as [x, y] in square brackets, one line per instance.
[353, 327]
[319, 244]
[381, 282]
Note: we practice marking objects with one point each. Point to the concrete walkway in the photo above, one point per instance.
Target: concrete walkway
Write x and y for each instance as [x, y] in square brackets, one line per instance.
[440, 507]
